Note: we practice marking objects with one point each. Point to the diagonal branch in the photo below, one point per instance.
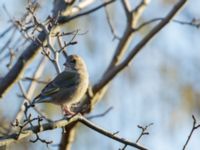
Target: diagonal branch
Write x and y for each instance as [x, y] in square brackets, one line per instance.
[12, 76]
[115, 70]
[99, 89]
[108, 134]
[65, 123]
[36, 129]
[132, 20]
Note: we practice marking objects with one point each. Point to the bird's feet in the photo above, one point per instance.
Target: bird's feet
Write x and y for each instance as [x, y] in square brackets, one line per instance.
[67, 112]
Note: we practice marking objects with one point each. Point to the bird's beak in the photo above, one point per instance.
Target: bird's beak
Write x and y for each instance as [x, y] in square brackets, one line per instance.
[67, 65]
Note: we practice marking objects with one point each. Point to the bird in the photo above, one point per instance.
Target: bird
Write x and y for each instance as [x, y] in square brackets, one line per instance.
[68, 87]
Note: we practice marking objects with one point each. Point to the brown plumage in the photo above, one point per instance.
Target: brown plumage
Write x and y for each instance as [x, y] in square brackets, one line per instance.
[68, 87]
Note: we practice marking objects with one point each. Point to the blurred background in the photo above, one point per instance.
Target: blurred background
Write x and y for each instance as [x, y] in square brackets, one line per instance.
[161, 86]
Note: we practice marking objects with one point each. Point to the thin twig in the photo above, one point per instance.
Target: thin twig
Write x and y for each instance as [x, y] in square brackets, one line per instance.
[144, 131]
[194, 23]
[35, 80]
[8, 29]
[194, 127]
[100, 115]
[12, 56]
[25, 95]
[115, 36]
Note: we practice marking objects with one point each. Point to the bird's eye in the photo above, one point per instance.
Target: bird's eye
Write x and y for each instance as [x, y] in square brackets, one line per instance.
[73, 61]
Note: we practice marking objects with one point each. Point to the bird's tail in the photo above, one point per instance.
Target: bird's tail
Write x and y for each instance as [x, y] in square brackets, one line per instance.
[41, 99]
[34, 101]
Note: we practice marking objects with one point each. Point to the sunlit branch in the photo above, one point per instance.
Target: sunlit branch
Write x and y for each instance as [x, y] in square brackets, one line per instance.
[62, 123]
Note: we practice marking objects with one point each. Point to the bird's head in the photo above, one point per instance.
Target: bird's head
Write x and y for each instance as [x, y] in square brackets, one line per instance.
[75, 62]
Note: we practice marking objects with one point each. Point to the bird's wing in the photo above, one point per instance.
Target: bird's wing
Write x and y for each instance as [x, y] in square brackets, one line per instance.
[66, 79]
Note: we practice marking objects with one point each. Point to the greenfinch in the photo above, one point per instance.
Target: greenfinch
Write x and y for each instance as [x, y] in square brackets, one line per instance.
[68, 87]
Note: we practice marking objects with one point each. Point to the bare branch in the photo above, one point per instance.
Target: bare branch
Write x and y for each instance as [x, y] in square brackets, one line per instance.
[194, 127]
[100, 115]
[115, 36]
[132, 18]
[62, 123]
[127, 6]
[108, 134]
[115, 70]
[64, 19]
[194, 23]
[144, 131]
[8, 29]
[21, 63]
[34, 80]
[26, 99]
